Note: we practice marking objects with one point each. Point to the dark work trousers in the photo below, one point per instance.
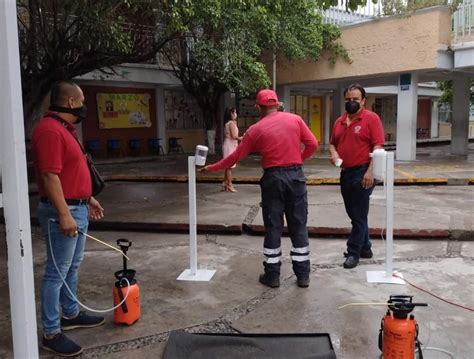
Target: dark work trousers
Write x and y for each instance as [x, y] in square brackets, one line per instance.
[356, 200]
[284, 192]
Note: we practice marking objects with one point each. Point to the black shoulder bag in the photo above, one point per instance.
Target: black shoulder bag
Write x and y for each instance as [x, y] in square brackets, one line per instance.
[98, 182]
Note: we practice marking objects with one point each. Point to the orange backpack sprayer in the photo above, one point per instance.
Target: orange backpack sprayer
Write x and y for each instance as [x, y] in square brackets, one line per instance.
[129, 312]
[398, 336]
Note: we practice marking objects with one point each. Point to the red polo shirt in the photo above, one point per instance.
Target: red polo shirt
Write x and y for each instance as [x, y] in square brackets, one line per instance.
[55, 150]
[277, 137]
[356, 141]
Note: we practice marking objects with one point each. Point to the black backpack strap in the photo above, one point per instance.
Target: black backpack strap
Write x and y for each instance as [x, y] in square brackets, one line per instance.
[66, 125]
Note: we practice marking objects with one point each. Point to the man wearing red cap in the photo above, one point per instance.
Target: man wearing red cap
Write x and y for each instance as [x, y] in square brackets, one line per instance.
[277, 136]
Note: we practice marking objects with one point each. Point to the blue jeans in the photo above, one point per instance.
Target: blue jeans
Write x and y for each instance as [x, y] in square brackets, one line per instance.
[356, 201]
[68, 253]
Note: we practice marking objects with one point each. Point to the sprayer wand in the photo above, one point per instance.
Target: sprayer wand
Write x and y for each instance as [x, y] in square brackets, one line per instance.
[123, 253]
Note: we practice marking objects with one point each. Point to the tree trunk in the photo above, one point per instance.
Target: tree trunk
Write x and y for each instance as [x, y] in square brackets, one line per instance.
[34, 94]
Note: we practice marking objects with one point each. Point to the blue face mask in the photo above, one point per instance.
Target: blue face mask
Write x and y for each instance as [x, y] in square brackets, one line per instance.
[352, 107]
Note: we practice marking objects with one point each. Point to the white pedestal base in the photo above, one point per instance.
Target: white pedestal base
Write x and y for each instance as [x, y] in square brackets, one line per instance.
[201, 275]
[381, 277]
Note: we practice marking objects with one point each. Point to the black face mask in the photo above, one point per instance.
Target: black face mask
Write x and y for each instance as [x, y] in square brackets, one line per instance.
[79, 112]
[352, 107]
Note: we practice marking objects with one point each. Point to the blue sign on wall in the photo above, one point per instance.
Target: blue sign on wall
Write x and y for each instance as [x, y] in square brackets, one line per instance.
[405, 81]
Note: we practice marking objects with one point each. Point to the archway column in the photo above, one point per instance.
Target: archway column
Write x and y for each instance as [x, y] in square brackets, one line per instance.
[407, 107]
[460, 118]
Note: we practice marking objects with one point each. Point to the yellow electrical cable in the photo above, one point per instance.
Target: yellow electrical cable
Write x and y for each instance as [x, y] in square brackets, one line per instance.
[357, 304]
[106, 244]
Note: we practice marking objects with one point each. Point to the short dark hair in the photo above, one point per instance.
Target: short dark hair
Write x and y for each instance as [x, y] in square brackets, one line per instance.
[60, 91]
[355, 87]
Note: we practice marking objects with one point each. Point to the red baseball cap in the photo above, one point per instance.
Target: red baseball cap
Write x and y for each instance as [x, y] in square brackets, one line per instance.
[267, 98]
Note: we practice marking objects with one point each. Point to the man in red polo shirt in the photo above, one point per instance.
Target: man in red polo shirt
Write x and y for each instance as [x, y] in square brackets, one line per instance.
[277, 137]
[64, 185]
[354, 136]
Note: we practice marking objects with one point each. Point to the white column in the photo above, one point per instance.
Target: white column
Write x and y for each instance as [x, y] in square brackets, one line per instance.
[160, 117]
[407, 108]
[284, 96]
[15, 190]
[434, 119]
[327, 119]
[460, 118]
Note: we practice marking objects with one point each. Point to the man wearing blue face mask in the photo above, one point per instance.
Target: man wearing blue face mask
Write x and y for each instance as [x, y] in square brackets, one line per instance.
[66, 203]
[354, 136]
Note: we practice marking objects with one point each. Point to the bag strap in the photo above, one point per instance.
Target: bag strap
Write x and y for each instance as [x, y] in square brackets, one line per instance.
[66, 125]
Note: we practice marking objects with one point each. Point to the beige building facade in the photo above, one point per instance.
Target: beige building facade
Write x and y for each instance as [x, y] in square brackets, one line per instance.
[398, 59]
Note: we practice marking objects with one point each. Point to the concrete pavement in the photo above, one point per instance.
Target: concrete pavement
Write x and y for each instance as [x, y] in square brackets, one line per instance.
[152, 194]
[155, 203]
[419, 211]
[234, 301]
[434, 165]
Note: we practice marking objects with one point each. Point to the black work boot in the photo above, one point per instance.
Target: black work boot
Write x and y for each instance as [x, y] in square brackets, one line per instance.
[351, 262]
[365, 253]
[270, 282]
[303, 282]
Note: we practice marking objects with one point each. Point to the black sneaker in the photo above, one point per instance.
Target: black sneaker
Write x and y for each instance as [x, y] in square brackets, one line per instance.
[272, 283]
[61, 345]
[363, 254]
[303, 282]
[82, 321]
[351, 262]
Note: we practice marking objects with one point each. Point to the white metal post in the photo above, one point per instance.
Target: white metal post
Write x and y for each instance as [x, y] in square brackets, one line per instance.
[192, 215]
[193, 274]
[389, 215]
[15, 189]
[386, 276]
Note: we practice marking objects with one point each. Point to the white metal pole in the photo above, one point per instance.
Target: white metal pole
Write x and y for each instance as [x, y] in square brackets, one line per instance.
[192, 215]
[389, 213]
[15, 189]
[194, 274]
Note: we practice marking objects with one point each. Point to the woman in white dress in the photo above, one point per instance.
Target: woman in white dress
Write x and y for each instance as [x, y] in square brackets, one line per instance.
[231, 141]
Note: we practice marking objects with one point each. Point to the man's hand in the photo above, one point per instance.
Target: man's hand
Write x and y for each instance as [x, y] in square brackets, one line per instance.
[368, 180]
[96, 211]
[204, 169]
[334, 157]
[68, 225]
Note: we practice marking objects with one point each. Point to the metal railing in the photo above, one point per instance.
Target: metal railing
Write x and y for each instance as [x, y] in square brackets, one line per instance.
[463, 23]
[340, 15]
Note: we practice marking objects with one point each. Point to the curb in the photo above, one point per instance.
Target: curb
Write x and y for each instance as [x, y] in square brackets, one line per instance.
[401, 233]
[437, 181]
[259, 230]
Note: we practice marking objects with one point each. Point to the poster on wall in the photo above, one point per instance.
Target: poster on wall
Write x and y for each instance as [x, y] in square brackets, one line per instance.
[315, 116]
[123, 110]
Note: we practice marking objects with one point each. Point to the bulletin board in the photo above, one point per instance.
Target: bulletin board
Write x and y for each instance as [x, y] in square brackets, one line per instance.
[123, 110]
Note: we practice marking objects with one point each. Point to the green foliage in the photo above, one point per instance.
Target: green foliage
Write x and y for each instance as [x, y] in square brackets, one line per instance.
[62, 39]
[447, 95]
[447, 87]
[223, 42]
[394, 7]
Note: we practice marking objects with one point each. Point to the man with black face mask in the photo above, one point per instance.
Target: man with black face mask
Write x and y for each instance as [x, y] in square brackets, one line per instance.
[66, 203]
[354, 136]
